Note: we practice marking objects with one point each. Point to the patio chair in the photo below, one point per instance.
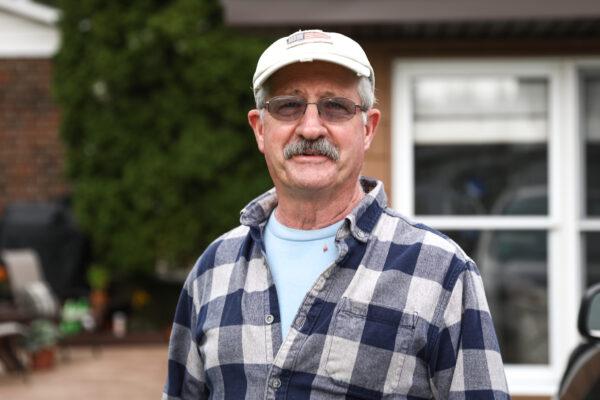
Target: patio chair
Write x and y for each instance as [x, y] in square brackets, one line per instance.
[33, 296]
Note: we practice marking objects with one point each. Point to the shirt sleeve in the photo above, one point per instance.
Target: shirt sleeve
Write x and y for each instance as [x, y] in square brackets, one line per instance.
[466, 361]
[185, 371]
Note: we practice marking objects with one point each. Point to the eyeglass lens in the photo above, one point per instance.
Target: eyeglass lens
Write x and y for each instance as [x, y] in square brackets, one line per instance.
[290, 108]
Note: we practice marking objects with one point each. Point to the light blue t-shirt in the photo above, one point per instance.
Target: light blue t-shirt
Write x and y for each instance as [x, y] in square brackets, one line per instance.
[296, 258]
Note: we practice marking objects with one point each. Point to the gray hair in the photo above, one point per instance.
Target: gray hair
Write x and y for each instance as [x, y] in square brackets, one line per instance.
[364, 87]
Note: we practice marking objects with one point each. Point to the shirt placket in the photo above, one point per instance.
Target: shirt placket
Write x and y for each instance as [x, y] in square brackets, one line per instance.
[280, 370]
[274, 380]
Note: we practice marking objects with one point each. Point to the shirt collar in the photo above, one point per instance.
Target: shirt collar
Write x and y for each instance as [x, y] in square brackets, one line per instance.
[361, 220]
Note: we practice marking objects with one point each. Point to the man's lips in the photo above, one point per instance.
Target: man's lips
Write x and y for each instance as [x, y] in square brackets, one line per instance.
[311, 157]
[312, 153]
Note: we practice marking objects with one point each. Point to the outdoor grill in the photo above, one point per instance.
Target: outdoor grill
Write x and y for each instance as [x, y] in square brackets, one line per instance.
[50, 230]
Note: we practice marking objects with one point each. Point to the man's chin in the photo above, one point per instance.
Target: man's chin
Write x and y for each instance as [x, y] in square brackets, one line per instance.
[312, 182]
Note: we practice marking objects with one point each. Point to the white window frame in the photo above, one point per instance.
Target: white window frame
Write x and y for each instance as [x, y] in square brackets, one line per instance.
[565, 221]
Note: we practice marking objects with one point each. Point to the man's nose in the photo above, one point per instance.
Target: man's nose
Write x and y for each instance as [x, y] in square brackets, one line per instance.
[310, 125]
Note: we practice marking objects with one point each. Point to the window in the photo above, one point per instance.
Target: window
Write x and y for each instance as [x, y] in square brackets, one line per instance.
[469, 134]
[589, 90]
[490, 153]
[513, 265]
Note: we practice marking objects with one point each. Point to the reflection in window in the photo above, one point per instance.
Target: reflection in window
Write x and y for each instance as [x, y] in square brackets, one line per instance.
[513, 267]
[592, 258]
[480, 109]
[590, 89]
[480, 145]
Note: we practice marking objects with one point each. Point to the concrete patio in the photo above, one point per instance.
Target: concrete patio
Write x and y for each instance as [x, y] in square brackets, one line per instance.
[132, 372]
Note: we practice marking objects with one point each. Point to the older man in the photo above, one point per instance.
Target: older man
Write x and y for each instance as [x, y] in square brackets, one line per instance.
[323, 292]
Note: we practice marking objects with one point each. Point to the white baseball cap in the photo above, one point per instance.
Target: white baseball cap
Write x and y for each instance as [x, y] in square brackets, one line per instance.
[312, 45]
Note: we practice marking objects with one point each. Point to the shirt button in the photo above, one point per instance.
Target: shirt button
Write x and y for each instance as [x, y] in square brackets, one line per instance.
[275, 383]
[269, 318]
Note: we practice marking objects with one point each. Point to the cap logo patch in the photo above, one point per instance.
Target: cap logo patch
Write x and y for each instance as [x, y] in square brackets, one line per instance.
[302, 37]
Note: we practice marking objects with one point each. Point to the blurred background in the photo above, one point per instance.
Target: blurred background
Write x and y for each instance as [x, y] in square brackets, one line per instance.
[124, 151]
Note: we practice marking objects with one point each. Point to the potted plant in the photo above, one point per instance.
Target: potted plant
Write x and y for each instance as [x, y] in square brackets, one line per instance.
[98, 277]
[40, 341]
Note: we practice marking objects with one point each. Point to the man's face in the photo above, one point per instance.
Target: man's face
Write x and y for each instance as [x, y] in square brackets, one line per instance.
[306, 174]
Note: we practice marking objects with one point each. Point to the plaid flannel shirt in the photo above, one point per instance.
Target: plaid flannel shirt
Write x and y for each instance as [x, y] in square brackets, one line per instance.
[401, 314]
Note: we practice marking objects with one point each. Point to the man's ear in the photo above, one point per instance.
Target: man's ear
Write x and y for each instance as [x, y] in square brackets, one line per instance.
[373, 117]
[256, 123]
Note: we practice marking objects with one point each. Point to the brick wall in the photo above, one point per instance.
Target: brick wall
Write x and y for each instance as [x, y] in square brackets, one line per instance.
[31, 155]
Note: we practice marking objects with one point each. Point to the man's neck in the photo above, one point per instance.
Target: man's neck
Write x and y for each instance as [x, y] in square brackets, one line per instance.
[316, 210]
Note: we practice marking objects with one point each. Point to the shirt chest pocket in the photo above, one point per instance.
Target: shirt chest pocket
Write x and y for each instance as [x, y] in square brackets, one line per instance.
[368, 345]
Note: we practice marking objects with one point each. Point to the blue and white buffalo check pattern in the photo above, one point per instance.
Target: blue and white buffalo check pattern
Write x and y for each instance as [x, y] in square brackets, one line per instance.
[401, 314]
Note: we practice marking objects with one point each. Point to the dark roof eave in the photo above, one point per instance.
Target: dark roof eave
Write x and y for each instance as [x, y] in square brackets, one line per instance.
[282, 13]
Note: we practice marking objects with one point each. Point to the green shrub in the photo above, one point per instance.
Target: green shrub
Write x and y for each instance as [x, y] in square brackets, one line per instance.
[154, 96]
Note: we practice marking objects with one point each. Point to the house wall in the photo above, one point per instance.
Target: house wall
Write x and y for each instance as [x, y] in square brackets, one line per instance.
[378, 158]
[22, 37]
[31, 155]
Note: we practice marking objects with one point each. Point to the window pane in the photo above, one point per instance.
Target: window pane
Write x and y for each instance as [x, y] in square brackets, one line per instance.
[592, 258]
[591, 122]
[513, 267]
[480, 145]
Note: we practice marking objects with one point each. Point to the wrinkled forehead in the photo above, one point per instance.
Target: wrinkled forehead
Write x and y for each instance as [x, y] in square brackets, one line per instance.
[319, 78]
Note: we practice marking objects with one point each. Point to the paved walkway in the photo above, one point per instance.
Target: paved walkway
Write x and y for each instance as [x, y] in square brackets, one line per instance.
[117, 372]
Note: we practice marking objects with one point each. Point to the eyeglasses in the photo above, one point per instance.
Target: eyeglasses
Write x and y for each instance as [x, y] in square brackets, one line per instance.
[331, 109]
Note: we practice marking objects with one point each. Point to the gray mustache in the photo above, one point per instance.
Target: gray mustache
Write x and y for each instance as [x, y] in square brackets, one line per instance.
[321, 147]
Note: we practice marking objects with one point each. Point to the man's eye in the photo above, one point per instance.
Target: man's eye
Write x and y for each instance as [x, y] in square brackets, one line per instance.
[336, 106]
[290, 104]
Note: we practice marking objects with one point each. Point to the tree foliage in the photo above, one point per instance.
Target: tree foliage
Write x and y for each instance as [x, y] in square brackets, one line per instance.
[154, 96]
